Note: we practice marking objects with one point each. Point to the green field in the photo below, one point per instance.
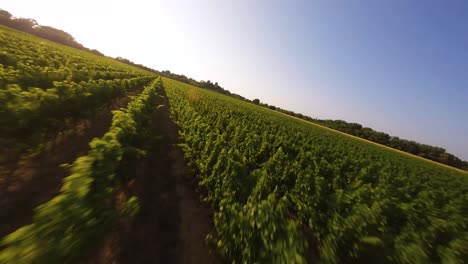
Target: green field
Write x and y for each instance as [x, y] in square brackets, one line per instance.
[44, 86]
[280, 189]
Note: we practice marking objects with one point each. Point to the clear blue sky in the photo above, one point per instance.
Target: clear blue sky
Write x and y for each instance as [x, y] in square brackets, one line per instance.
[397, 66]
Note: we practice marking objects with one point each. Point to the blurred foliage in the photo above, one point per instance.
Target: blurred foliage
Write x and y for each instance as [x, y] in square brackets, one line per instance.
[75, 220]
[45, 86]
[433, 153]
[31, 26]
[272, 180]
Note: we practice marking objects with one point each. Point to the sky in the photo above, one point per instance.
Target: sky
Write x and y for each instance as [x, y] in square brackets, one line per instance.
[397, 66]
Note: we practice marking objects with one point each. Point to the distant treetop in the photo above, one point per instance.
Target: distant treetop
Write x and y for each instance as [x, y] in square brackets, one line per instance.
[31, 26]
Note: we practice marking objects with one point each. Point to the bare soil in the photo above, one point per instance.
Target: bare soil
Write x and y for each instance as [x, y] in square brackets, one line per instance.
[33, 180]
[172, 224]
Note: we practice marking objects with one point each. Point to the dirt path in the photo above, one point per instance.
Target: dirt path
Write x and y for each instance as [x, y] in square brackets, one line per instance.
[172, 224]
[35, 180]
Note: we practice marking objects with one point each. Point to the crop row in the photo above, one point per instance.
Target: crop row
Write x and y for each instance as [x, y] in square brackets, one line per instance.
[26, 115]
[28, 61]
[67, 226]
[287, 191]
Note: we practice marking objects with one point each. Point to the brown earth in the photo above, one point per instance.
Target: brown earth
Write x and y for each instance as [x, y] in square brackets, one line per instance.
[172, 224]
[33, 180]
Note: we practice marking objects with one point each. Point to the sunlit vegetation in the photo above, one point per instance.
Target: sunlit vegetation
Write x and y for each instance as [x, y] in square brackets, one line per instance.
[288, 191]
[31, 26]
[75, 221]
[45, 86]
[282, 190]
[433, 153]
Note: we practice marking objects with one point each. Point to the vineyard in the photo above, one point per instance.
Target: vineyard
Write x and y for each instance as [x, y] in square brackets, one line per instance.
[44, 86]
[285, 191]
[46, 91]
[274, 189]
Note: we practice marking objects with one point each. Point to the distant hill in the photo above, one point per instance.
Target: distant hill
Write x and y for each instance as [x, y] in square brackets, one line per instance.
[31, 26]
[433, 153]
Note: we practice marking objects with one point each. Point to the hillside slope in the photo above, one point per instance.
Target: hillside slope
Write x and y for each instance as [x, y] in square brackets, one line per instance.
[284, 189]
[280, 190]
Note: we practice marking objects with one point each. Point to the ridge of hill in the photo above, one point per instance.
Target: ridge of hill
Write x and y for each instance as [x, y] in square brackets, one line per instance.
[31, 26]
[279, 189]
[284, 189]
[434, 153]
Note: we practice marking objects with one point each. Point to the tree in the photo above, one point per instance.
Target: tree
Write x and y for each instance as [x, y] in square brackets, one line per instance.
[5, 17]
[256, 101]
[25, 24]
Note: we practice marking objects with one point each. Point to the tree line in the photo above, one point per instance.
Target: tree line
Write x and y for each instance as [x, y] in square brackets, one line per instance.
[284, 191]
[31, 26]
[209, 85]
[433, 153]
[437, 154]
[214, 86]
